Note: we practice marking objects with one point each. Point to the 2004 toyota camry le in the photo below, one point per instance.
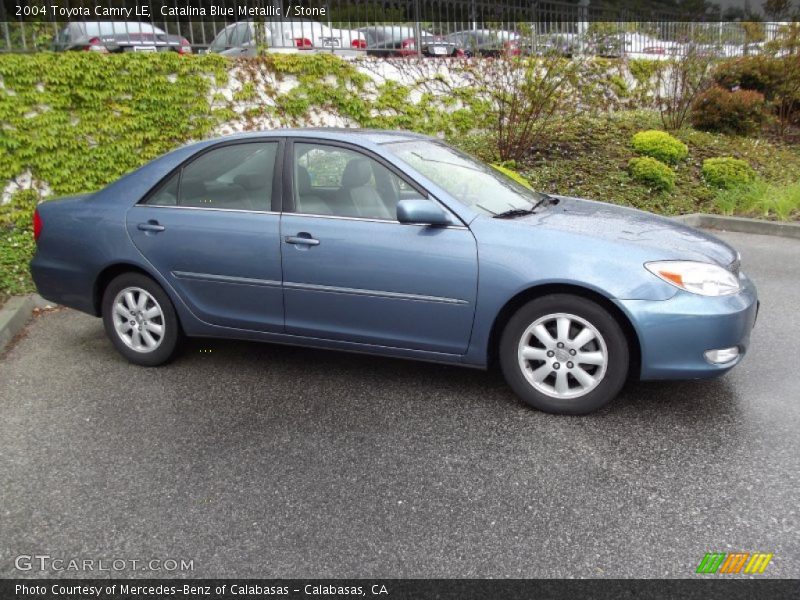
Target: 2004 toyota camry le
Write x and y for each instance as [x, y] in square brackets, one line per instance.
[396, 244]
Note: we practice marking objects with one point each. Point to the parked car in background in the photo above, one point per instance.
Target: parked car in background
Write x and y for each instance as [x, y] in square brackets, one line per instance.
[118, 36]
[239, 39]
[373, 241]
[548, 44]
[607, 46]
[486, 42]
[400, 40]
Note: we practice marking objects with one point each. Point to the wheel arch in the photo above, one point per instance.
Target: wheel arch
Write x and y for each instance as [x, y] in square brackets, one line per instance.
[531, 293]
[107, 275]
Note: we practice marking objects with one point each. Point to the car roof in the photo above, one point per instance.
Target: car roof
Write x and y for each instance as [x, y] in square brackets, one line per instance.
[117, 27]
[342, 134]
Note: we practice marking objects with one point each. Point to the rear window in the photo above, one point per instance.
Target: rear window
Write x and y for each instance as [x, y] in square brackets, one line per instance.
[118, 28]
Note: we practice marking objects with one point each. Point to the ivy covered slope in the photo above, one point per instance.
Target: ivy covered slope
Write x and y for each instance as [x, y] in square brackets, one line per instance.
[74, 122]
[79, 120]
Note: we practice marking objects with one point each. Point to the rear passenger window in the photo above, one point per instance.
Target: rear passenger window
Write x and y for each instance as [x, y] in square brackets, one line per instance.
[235, 177]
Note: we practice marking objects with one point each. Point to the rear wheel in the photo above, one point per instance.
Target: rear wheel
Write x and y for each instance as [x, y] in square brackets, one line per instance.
[564, 354]
[140, 320]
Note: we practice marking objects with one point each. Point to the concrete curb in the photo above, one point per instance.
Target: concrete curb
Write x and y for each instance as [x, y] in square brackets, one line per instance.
[741, 225]
[15, 315]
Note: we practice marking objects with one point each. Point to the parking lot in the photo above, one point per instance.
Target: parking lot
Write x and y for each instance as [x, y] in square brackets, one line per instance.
[261, 460]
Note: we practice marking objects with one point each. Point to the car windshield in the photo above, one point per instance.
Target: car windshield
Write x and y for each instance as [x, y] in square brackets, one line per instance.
[468, 180]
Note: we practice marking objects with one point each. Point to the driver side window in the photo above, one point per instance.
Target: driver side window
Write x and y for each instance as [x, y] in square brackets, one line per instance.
[330, 180]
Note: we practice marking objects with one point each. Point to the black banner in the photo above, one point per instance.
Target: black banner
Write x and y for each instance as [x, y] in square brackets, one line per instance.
[528, 11]
[396, 589]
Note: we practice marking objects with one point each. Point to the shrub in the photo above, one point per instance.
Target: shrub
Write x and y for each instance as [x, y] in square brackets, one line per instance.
[757, 73]
[726, 172]
[718, 109]
[680, 83]
[526, 97]
[652, 172]
[511, 173]
[660, 145]
[777, 77]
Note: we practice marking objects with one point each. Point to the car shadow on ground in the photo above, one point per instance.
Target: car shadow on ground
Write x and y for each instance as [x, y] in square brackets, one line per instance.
[689, 400]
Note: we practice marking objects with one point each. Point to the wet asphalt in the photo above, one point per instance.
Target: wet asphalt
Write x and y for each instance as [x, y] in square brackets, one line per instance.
[255, 460]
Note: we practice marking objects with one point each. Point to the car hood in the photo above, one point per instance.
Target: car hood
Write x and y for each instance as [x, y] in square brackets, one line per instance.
[670, 240]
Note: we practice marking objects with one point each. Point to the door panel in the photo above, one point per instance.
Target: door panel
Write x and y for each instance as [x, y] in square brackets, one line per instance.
[380, 282]
[226, 265]
[210, 231]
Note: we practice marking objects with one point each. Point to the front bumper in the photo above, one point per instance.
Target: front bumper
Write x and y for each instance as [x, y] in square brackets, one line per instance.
[674, 334]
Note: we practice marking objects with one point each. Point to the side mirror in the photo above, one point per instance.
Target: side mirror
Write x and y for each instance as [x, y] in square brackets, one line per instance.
[421, 212]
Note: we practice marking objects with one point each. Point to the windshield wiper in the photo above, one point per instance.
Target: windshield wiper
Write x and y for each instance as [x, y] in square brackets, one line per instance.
[514, 212]
[545, 200]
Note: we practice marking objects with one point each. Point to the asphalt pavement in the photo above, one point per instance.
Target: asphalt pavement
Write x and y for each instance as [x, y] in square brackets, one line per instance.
[255, 460]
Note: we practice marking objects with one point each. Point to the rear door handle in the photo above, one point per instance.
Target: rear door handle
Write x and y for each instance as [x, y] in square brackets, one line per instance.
[296, 239]
[151, 226]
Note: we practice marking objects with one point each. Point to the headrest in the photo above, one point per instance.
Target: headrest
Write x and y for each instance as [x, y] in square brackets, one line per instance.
[251, 181]
[357, 173]
[192, 189]
[303, 181]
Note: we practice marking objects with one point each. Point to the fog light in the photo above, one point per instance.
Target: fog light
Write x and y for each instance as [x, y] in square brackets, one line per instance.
[722, 356]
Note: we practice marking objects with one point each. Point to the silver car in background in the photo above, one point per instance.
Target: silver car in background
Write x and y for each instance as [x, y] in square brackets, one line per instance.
[240, 39]
[118, 36]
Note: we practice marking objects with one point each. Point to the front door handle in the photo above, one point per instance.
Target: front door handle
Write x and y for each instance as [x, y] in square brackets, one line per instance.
[301, 239]
[151, 225]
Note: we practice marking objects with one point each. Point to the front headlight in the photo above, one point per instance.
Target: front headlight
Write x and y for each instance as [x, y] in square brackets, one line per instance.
[705, 279]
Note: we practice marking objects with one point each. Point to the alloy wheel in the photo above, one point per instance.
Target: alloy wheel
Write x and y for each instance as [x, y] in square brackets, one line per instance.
[138, 319]
[562, 355]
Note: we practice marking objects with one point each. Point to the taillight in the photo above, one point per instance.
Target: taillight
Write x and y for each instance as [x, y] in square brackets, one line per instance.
[95, 45]
[185, 47]
[408, 44]
[460, 53]
[512, 48]
[303, 43]
[37, 225]
[358, 43]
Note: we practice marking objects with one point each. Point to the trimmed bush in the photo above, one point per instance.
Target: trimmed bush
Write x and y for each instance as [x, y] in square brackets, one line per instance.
[718, 109]
[512, 174]
[727, 172]
[652, 172]
[660, 145]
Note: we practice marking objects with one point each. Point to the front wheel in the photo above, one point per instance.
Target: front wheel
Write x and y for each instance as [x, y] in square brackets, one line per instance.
[564, 354]
[140, 320]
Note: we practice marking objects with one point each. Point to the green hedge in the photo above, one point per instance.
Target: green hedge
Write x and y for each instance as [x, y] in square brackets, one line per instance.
[652, 172]
[727, 172]
[660, 145]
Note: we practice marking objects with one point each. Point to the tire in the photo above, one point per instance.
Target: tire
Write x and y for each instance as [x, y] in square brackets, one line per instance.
[157, 313]
[571, 379]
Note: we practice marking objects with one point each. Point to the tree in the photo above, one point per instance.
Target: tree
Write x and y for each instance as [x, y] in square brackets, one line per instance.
[777, 10]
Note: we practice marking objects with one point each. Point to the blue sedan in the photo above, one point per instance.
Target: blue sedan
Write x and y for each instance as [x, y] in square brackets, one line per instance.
[395, 244]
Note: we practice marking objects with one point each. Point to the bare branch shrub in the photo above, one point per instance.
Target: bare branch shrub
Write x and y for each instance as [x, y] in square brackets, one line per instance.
[526, 94]
[680, 83]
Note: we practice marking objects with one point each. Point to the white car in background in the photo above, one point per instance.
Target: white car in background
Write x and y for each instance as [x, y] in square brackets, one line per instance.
[239, 39]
